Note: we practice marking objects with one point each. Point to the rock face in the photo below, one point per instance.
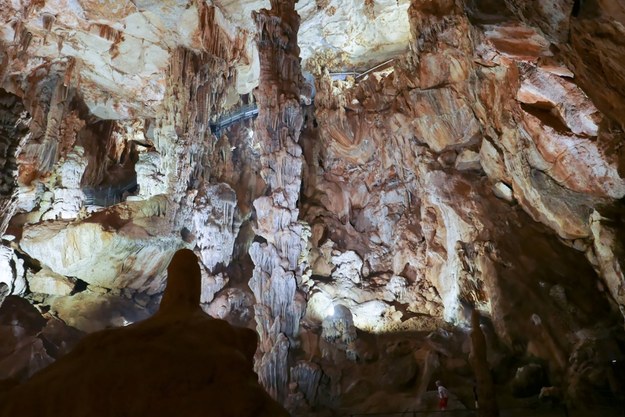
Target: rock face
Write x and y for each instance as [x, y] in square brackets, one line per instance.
[409, 162]
[30, 342]
[178, 361]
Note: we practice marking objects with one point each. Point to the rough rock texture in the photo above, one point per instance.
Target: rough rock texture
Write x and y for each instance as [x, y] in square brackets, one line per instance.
[29, 341]
[435, 157]
[178, 362]
[487, 398]
[277, 260]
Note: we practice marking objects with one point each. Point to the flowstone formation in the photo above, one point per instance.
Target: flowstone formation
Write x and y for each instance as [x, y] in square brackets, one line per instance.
[355, 178]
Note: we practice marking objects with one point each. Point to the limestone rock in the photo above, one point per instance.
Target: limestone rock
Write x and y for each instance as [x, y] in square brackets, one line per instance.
[59, 338]
[73, 168]
[215, 224]
[348, 21]
[277, 270]
[149, 176]
[97, 251]
[604, 245]
[348, 266]
[12, 271]
[211, 285]
[528, 380]
[89, 311]
[468, 160]
[460, 160]
[48, 282]
[433, 126]
[502, 191]
[491, 161]
[569, 103]
[397, 372]
[339, 327]
[4, 291]
[22, 353]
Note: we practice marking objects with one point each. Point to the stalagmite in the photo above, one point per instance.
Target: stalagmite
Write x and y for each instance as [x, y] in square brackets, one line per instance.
[278, 128]
[487, 399]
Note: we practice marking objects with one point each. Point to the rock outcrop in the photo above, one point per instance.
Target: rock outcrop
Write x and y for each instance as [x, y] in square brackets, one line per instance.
[180, 361]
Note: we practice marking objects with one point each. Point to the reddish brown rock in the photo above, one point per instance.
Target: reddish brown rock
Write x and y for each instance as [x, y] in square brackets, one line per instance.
[178, 361]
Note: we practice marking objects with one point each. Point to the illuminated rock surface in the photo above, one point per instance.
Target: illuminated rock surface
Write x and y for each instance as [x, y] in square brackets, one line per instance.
[354, 223]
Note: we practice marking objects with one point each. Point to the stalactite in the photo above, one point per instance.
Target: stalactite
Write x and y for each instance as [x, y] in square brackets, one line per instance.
[109, 33]
[13, 130]
[25, 38]
[276, 273]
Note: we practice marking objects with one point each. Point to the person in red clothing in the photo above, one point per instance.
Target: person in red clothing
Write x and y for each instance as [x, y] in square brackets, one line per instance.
[443, 396]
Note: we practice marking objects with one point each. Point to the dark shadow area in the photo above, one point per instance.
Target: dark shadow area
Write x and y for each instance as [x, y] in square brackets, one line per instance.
[110, 174]
[178, 362]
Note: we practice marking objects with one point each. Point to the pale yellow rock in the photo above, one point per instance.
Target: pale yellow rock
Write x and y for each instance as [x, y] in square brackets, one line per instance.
[502, 191]
[49, 282]
[468, 160]
[604, 244]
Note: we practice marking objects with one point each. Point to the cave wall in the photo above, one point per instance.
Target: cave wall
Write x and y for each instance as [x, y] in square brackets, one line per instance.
[480, 168]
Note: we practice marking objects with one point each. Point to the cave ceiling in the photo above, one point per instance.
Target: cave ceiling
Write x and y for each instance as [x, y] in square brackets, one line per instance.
[120, 50]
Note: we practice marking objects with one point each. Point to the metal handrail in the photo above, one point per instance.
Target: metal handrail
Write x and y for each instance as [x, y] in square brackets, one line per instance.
[251, 110]
[242, 113]
[370, 70]
[106, 196]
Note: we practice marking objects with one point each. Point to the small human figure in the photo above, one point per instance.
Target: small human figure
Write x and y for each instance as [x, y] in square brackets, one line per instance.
[443, 396]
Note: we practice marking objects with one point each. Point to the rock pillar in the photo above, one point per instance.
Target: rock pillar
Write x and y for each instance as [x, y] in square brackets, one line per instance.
[487, 401]
[12, 131]
[276, 252]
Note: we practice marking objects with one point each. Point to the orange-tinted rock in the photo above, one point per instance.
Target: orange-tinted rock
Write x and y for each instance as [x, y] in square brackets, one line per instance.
[517, 41]
[574, 161]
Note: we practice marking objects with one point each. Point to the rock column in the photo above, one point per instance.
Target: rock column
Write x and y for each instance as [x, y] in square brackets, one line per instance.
[11, 134]
[276, 252]
[487, 400]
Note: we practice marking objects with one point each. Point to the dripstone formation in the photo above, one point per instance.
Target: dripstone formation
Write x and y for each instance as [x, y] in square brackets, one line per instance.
[355, 178]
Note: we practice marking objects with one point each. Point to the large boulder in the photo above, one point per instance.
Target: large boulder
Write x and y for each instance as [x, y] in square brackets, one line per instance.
[528, 380]
[22, 352]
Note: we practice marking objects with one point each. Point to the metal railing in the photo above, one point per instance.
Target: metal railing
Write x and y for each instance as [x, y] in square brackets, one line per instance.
[106, 196]
[242, 113]
[250, 111]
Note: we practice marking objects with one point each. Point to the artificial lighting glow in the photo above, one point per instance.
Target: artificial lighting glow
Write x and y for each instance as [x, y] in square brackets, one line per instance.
[319, 306]
[330, 310]
[253, 143]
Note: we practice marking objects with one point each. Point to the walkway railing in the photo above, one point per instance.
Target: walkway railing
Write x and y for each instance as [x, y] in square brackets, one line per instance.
[242, 113]
[106, 196]
[250, 111]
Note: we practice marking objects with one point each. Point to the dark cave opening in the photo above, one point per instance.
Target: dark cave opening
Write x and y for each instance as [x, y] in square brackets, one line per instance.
[577, 5]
